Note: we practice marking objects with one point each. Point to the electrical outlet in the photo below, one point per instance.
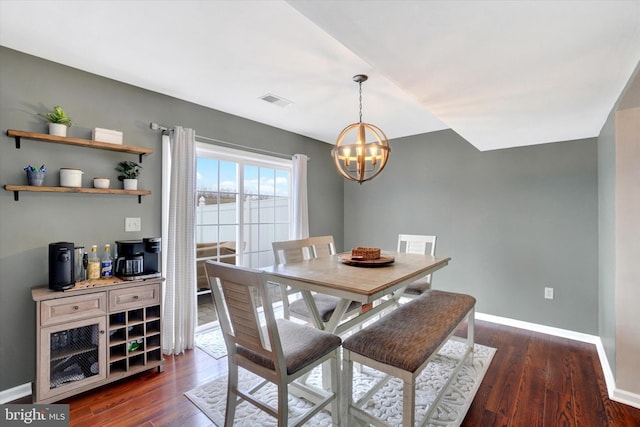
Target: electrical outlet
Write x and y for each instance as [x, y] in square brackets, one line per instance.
[132, 224]
[548, 293]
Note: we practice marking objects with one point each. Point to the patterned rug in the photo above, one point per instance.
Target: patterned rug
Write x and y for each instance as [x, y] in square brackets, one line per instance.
[210, 397]
[211, 342]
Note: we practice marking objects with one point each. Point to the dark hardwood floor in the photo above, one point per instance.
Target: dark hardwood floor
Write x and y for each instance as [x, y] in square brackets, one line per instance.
[533, 380]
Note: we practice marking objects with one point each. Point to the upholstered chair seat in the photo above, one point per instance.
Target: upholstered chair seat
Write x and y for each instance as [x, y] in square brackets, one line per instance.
[301, 346]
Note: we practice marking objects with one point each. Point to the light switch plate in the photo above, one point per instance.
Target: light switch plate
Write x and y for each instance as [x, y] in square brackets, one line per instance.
[132, 224]
[548, 293]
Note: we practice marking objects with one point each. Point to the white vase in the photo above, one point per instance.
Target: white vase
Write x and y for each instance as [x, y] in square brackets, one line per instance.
[130, 184]
[57, 129]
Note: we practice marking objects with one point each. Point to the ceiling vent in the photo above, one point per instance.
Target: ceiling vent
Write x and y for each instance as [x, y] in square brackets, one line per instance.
[276, 100]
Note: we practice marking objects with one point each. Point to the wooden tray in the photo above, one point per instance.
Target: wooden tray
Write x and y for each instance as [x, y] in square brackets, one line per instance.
[384, 260]
[86, 284]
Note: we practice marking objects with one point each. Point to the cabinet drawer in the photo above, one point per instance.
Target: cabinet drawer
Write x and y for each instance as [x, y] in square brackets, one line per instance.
[61, 310]
[140, 296]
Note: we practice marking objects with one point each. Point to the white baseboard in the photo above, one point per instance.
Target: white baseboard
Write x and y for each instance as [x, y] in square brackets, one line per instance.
[622, 396]
[15, 393]
[631, 399]
[549, 330]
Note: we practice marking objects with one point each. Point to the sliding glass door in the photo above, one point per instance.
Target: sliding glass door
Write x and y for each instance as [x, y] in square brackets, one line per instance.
[243, 203]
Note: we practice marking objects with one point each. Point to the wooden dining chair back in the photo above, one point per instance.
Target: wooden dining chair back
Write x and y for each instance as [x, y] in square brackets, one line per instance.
[289, 251]
[417, 244]
[292, 251]
[323, 246]
[268, 347]
[285, 252]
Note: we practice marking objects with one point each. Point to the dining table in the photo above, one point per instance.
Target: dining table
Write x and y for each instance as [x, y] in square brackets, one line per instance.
[376, 285]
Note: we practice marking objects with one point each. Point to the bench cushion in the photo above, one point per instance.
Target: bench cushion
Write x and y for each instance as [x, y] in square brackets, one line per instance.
[408, 336]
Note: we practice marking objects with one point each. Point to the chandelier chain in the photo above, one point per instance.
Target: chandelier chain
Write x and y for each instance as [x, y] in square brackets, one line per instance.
[360, 84]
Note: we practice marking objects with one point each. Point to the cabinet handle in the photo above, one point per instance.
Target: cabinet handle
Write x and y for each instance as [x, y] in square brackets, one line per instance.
[102, 332]
[75, 307]
[135, 297]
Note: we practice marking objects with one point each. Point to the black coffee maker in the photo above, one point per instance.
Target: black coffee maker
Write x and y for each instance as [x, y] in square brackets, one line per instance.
[138, 259]
[61, 275]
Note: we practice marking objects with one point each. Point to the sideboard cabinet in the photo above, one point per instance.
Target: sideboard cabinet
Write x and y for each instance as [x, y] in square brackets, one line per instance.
[92, 335]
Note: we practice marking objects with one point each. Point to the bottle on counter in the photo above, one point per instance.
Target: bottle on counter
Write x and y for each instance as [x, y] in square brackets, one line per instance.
[85, 266]
[93, 269]
[106, 266]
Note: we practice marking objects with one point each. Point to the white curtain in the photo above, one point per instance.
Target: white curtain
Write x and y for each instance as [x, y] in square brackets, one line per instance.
[180, 309]
[300, 203]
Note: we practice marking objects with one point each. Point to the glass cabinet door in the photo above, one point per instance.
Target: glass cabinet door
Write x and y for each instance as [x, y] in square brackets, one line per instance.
[71, 355]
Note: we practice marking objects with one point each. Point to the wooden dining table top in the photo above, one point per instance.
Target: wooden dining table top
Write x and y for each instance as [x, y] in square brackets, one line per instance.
[330, 276]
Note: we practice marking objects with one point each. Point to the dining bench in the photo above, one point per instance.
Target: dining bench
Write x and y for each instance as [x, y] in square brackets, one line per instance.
[401, 344]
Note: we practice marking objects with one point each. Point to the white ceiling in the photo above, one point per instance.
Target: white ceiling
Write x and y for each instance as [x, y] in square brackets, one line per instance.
[499, 73]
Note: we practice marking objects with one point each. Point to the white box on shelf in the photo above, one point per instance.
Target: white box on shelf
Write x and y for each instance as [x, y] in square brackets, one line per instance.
[107, 135]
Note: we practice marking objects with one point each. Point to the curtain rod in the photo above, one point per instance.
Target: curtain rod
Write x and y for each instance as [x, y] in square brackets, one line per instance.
[156, 126]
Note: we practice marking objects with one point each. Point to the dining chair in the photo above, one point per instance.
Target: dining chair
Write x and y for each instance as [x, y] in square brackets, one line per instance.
[292, 251]
[285, 252]
[280, 352]
[417, 244]
[302, 249]
[322, 246]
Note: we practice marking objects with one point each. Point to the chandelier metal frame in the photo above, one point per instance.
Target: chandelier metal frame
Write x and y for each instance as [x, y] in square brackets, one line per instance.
[360, 160]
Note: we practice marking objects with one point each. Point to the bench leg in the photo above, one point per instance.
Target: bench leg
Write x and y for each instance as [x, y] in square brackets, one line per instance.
[408, 404]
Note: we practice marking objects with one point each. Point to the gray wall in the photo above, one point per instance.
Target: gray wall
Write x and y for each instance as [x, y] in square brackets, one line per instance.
[513, 221]
[29, 85]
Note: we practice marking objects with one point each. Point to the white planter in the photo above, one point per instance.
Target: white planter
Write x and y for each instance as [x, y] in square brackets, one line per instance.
[57, 129]
[130, 184]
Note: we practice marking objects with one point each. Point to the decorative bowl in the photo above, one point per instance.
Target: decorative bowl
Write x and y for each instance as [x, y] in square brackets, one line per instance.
[101, 182]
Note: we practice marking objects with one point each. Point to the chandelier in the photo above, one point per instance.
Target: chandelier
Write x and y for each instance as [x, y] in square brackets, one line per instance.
[362, 149]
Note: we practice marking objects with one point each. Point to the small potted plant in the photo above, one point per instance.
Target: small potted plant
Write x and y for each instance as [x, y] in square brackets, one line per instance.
[35, 176]
[58, 121]
[129, 172]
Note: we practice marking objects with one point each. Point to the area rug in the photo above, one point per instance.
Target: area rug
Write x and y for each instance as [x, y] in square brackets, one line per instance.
[210, 397]
[211, 342]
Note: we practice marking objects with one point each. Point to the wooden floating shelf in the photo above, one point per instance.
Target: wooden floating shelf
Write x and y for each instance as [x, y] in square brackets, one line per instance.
[35, 189]
[18, 134]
